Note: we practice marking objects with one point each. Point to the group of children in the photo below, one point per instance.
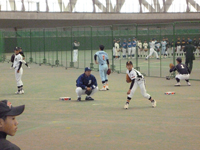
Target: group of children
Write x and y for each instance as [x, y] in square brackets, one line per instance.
[164, 47]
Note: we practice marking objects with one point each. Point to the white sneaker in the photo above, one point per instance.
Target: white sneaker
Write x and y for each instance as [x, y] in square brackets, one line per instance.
[20, 92]
[103, 89]
[153, 103]
[126, 106]
[107, 88]
[188, 83]
[177, 84]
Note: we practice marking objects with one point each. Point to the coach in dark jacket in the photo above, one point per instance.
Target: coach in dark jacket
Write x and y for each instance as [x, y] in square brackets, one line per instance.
[189, 55]
[86, 84]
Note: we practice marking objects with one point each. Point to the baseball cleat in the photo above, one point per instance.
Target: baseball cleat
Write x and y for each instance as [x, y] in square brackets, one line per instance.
[177, 84]
[88, 98]
[79, 99]
[153, 103]
[126, 105]
[18, 92]
[107, 88]
[103, 89]
[145, 58]
[22, 91]
[188, 83]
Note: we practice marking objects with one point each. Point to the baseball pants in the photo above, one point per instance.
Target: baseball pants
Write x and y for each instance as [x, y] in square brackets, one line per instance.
[151, 52]
[183, 76]
[141, 84]
[133, 51]
[129, 52]
[163, 50]
[75, 55]
[18, 76]
[103, 72]
[178, 50]
[113, 51]
[124, 52]
[80, 91]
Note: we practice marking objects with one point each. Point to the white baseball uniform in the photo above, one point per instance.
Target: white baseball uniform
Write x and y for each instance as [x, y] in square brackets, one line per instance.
[145, 45]
[152, 49]
[139, 81]
[18, 59]
[116, 49]
[75, 53]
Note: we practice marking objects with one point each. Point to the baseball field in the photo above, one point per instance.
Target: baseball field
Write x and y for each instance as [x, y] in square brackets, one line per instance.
[102, 124]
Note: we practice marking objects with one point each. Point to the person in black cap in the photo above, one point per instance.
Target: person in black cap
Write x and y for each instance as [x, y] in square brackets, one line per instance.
[184, 72]
[86, 84]
[17, 65]
[8, 123]
[189, 55]
[137, 80]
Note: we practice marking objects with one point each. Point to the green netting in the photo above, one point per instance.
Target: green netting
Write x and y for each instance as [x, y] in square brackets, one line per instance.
[2, 58]
[54, 46]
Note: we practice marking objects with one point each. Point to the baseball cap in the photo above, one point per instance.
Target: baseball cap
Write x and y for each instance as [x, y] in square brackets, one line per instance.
[16, 48]
[87, 69]
[6, 109]
[179, 59]
[129, 63]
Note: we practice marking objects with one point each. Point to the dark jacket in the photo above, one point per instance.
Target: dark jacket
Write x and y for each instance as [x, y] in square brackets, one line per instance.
[83, 81]
[189, 49]
[5, 144]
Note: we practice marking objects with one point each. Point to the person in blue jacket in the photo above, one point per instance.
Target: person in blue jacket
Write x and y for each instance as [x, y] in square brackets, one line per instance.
[86, 82]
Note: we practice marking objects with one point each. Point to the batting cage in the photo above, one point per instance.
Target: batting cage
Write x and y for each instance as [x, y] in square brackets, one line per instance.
[74, 47]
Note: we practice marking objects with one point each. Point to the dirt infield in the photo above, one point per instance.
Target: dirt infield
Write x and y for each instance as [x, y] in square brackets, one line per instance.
[103, 124]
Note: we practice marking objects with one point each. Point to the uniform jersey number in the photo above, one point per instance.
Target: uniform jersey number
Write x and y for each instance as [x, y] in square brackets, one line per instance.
[182, 66]
[103, 57]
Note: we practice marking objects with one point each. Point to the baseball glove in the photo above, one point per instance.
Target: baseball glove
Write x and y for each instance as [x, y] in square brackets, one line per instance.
[171, 66]
[145, 50]
[109, 72]
[88, 92]
[128, 79]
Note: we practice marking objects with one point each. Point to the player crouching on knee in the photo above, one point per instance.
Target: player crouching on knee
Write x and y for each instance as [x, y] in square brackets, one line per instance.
[184, 72]
[136, 79]
[86, 84]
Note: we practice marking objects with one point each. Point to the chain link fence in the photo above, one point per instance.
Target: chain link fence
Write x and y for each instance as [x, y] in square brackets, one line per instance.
[55, 46]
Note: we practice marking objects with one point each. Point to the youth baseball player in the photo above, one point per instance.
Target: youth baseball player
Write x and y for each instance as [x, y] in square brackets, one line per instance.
[86, 84]
[129, 45]
[164, 48]
[172, 47]
[124, 48]
[120, 48]
[137, 79]
[116, 49]
[183, 44]
[178, 47]
[167, 52]
[145, 46]
[75, 51]
[157, 46]
[103, 62]
[183, 72]
[8, 123]
[152, 49]
[114, 41]
[134, 44]
[140, 50]
[18, 71]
